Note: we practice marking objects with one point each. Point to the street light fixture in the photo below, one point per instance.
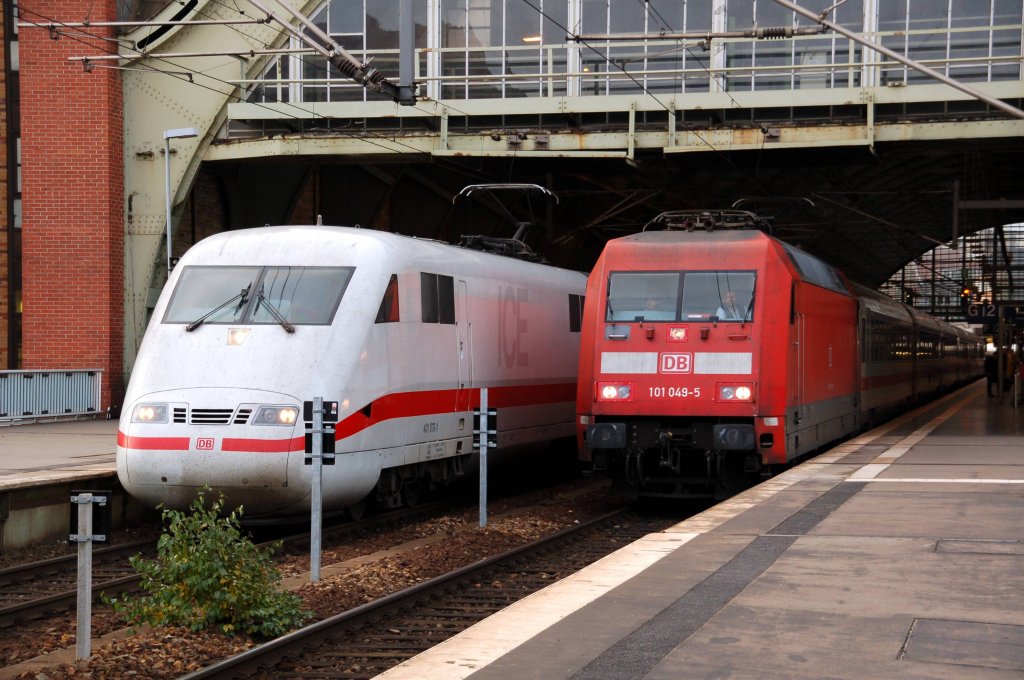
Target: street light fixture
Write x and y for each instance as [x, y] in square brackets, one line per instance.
[178, 133]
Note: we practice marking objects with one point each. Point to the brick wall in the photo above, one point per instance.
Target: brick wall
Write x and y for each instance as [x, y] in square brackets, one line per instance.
[73, 193]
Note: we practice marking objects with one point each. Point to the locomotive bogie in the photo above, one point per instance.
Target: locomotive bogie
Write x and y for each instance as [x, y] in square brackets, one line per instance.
[402, 333]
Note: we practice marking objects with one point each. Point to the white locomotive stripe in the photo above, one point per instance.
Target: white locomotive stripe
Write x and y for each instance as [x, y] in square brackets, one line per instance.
[870, 472]
[926, 480]
[629, 362]
[723, 363]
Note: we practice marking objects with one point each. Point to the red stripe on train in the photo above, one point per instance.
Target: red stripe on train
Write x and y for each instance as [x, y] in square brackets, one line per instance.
[263, 445]
[388, 407]
[152, 443]
[436, 402]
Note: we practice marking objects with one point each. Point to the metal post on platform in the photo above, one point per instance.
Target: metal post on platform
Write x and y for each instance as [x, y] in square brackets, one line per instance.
[486, 435]
[483, 457]
[1001, 358]
[316, 501]
[85, 538]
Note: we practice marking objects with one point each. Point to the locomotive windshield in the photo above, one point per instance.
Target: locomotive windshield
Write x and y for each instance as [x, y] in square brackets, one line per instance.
[229, 295]
[680, 296]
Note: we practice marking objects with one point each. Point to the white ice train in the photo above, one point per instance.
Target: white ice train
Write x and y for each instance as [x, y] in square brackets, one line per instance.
[402, 332]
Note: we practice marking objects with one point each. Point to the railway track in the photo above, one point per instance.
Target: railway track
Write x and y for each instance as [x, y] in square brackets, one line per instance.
[367, 640]
[37, 589]
[49, 587]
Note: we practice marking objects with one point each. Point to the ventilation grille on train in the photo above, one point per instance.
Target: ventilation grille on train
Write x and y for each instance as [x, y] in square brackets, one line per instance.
[212, 416]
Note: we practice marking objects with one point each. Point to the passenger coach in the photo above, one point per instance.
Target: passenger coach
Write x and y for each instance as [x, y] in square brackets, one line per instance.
[712, 352]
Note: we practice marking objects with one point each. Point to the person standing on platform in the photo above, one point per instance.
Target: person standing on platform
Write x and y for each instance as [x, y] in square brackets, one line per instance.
[991, 371]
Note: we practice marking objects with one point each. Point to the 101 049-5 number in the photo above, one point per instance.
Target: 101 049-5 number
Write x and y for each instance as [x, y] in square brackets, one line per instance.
[662, 392]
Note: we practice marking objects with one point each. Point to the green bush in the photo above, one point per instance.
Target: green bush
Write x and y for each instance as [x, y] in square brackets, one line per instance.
[208, 575]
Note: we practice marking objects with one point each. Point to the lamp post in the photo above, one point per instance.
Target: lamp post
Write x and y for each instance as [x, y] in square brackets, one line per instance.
[178, 133]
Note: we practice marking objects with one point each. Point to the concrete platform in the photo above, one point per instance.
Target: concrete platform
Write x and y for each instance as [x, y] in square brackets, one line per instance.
[899, 554]
[41, 464]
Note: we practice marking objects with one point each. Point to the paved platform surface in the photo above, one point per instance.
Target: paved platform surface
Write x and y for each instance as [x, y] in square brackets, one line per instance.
[45, 453]
[899, 554]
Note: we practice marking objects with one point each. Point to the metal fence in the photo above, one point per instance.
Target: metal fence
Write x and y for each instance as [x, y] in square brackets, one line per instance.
[26, 396]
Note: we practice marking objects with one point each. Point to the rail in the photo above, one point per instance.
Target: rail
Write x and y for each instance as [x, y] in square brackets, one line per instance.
[31, 396]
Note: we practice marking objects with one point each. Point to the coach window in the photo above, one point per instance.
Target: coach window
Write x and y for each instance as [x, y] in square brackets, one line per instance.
[643, 296]
[437, 295]
[388, 312]
[724, 295]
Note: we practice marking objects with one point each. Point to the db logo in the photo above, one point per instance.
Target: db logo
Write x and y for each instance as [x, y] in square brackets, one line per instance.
[675, 363]
[204, 443]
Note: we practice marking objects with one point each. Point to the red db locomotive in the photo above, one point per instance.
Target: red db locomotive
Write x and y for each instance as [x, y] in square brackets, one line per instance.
[712, 352]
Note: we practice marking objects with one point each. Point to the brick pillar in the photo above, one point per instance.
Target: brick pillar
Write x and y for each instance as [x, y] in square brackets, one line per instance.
[73, 194]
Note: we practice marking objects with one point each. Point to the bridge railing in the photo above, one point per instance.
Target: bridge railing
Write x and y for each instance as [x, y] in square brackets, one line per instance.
[984, 53]
[29, 396]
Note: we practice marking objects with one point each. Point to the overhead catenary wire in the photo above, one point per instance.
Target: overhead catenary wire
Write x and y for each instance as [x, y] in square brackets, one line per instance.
[374, 140]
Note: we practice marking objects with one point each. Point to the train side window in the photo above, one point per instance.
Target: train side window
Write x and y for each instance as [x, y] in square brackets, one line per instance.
[428, 297]
[446, 299]
[437, 295]
[575, 313]
[388, 312]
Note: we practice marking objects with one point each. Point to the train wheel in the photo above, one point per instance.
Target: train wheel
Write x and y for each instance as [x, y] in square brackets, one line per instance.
[357, 510]
[411, 493]
[732, 476]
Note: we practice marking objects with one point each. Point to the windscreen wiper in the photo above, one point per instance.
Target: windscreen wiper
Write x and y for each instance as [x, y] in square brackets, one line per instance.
[261, 299]
[242, 298]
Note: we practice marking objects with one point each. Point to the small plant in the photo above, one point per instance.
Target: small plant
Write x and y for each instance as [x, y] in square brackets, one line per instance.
[208, 575]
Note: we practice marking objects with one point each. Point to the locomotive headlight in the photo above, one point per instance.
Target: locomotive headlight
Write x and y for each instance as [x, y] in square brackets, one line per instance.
[735, 393]
[276, 415]
[149, 413]
[614, 391]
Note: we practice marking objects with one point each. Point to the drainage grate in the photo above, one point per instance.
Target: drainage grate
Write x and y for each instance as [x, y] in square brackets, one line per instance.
[965, 643]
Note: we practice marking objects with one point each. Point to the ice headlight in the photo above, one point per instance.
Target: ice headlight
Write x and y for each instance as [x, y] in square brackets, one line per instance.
[149, 413]
[614, 391]
[276, 415]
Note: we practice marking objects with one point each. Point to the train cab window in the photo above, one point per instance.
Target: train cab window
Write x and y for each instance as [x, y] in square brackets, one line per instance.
[643, 296]
[388, 312]
[214, 294]
[437, 296]
[257, 295]
[301, 295]
[718, 295]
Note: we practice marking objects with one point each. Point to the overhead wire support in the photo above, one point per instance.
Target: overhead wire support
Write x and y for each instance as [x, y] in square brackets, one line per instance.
[339, 57]
[882, 49]
[144, 24]
[759, 33]
[317, 40]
